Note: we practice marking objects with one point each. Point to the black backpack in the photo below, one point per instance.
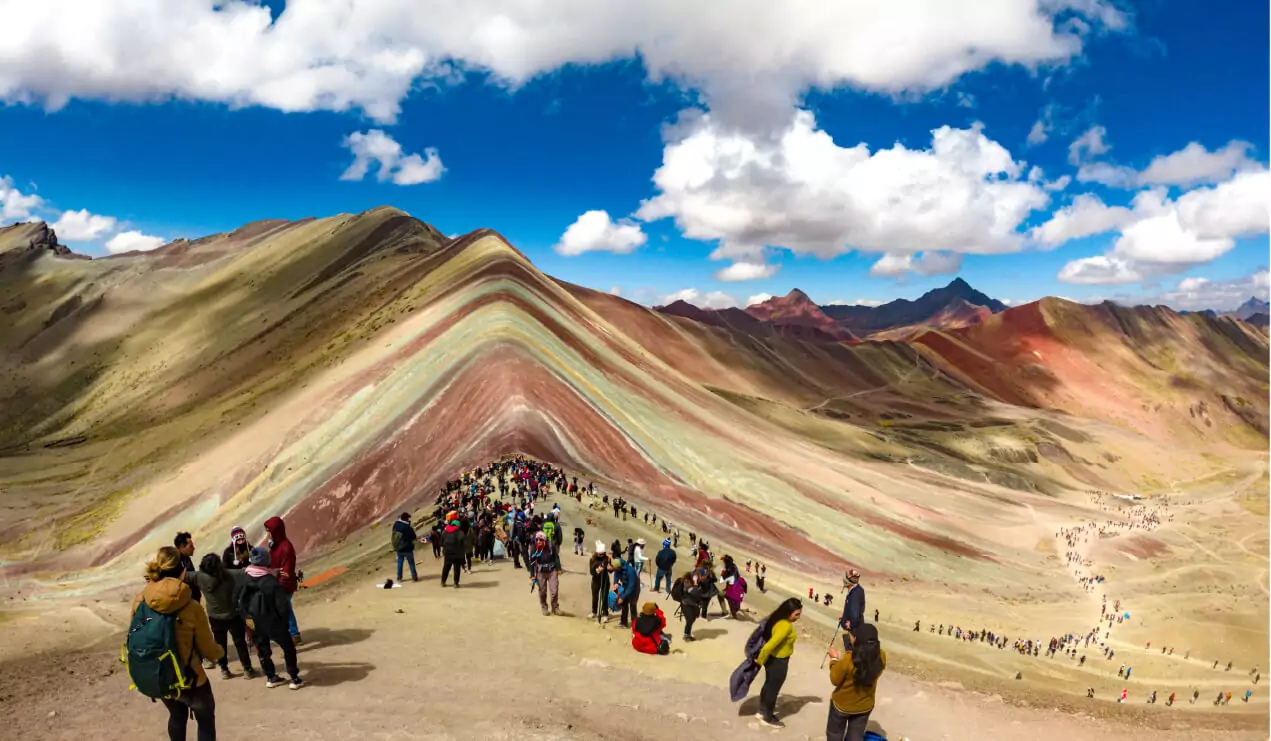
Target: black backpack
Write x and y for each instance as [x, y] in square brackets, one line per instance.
[677, 590]
[150, 653]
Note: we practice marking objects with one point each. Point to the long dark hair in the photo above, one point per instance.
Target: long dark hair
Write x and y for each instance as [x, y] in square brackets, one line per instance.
[865, 656]
[783, 612]
[212, 566]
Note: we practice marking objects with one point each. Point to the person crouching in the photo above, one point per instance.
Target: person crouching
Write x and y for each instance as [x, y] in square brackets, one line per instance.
[646, 631]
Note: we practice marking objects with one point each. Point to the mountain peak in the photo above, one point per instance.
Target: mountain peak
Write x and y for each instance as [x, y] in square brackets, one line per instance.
[796, 295]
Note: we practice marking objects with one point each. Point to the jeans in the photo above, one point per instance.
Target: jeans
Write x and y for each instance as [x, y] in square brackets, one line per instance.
[774, 676]
[406, 557]
[237, 629]
[548, 581]
[657, 580]
[455, 562]
[843, 727]
[262, 640]
[292, 628]
[198, 701]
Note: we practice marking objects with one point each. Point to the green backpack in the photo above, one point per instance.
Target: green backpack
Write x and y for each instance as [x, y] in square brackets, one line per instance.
[549, 529]
[150, 652]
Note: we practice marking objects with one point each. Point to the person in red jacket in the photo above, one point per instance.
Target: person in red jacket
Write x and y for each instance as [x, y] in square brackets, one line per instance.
[282, 556]
[646, 631]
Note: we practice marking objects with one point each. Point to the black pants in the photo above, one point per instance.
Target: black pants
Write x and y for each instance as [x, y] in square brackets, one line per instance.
[599, 595]
[436, 550]
[232, 628]
[468, 560]
[844, 727]
[630, 608]
[690, 617]
[262, 639]
[198, 701]
[455, 562]
[774, 676]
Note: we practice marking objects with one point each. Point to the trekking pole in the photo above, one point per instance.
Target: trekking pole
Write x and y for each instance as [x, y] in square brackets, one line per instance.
[833, 638]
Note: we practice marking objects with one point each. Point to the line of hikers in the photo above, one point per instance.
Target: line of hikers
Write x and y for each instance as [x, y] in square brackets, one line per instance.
[173, 637]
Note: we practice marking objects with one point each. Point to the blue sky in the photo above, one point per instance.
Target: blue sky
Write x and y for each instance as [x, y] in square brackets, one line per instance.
[534, 130]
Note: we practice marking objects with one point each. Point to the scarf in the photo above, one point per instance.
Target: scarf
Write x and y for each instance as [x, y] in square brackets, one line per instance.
[256, 572]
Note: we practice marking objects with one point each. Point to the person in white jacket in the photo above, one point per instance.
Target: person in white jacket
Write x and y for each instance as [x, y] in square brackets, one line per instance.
[638, 557]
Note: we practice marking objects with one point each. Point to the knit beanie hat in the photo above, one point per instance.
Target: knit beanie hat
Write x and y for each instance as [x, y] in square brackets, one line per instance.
[259, 557]
[666, 543]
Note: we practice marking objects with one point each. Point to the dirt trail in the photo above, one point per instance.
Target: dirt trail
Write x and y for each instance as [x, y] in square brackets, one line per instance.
[423, 662]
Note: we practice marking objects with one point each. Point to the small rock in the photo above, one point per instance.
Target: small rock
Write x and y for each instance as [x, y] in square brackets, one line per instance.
[52, 713]
[400, 611]
[682, 716]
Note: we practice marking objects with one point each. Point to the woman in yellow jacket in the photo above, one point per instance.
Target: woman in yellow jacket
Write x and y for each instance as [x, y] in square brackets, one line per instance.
[855, 679]
[779, 637]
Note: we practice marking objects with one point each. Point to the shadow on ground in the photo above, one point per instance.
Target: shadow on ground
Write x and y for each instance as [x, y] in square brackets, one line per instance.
[786, 704]
[318, 638]
[319, 674]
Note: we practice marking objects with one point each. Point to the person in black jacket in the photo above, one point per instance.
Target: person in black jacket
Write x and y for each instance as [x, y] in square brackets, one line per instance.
[263, 601]
[238, 553]
[219, 584]
[665, 561]
[453, 550]
[404, 538]
[184, 543]
[853, 606]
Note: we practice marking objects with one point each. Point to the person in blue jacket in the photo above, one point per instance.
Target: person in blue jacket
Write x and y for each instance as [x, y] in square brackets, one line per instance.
[627, 586]
[404, 545]
[853, 607]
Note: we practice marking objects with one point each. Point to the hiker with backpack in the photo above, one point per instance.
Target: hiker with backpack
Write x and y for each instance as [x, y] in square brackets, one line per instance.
[218, 584]
[545, 570]
[263, 601]
[646, 631]
[282, 558]
[599, 566]
[664, 561]
[626, 584]
[854, 675]
[579, 550]
[166, 630]
[403, 540]
[693, 597]
[779, 637]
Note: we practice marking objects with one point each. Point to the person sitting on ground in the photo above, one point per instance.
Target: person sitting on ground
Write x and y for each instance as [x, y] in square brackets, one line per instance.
[854, 675]
[167, 594]
[646, 631]
[218, 585]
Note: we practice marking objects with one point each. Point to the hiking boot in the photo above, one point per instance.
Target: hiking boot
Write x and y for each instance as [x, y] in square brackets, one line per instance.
[297, 683]
[591, 616]
[296, 639]
[772, 721]
[250, 673]
[207, 664]
[604, 619]
[273, 682]
[689, 638]
[225, 674]
[545, 612]
[555, 610]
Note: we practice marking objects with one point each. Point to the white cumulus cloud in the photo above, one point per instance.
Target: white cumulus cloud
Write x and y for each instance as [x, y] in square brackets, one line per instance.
[707, 300]
[378, 148]
[1197, 293]
[1194, 164]
[758, 298]
[924, 264]
[15, 205]
[1086, 216]
[740, 271]
[82, 226]
[594, 231]
[805, 193]
[1160, 236]
[871, 302]
[133, 241]
[751, 59]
